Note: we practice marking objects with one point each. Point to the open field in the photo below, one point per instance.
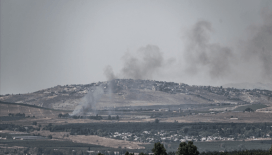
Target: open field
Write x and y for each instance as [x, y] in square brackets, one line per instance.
[28, 110]
[220, 146]
[92, 139]
[55, 144]
[60, 141]
[191, 114]
[144, 115]
[246, 117]
[253, 107]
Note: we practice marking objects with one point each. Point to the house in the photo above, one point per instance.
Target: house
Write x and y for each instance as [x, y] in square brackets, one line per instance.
[116, 152]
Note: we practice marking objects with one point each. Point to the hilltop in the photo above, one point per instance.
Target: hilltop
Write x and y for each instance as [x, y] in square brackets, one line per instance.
[247, 85]
[129, 92]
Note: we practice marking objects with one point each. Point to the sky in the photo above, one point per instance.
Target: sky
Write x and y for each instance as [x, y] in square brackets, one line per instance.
[211, 42]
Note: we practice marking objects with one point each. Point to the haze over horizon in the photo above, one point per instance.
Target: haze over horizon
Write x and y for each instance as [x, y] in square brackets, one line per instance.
[211, 42]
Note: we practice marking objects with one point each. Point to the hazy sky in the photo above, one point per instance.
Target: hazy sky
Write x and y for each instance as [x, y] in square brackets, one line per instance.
[46, 43]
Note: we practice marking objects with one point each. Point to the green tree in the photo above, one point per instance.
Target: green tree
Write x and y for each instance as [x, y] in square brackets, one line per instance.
[60, 115]
[270, 150]
[171, 153]
[187, 149]
[49, 137]
[159, 149]
[249, 110]
[127, 153]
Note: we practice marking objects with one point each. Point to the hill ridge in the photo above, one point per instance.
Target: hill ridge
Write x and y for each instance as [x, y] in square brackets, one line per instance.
[129, 92]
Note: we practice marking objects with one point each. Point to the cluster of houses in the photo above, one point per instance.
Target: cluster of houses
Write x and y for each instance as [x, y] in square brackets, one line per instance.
[173, 88]
[114, 153]
[162, 136]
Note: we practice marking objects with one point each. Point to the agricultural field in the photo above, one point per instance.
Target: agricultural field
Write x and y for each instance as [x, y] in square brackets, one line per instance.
[28, 110]
[136, 127]
[221, 146]
[252, 106]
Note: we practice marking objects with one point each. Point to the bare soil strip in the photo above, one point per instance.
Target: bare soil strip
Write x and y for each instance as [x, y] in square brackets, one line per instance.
[92, 139]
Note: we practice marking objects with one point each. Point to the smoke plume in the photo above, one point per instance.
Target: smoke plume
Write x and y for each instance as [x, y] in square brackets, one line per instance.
[108, 72]
[89, 101]
[258, 48]
[142, 64]
[249, 61]
[147, 61]
[201, 54]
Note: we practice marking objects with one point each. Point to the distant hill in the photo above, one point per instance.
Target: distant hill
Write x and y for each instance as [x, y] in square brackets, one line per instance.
[246, 85]
[129, 92]
[28, 110]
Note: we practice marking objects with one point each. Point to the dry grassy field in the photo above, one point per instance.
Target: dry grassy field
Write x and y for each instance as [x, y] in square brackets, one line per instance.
[92, 139]
[31, 111]
[226, 117]
[44, 116]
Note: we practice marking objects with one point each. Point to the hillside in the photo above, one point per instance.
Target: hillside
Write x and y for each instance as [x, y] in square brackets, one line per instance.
[246, 85]
[7, 109]
[129, 92]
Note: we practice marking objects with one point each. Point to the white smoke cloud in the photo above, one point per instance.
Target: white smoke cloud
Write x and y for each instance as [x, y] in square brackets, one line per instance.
[89, 102]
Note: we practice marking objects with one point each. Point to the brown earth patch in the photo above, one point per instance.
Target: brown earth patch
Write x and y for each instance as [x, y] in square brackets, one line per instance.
[92, 139]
